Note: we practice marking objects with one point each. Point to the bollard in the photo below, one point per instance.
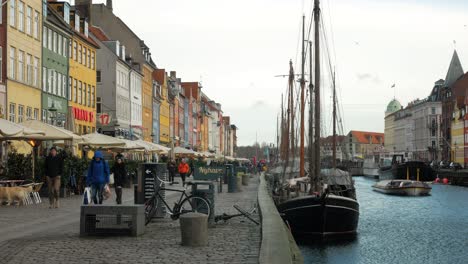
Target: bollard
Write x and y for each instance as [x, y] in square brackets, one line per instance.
[245, 179]
[239, 182]
[194, 229]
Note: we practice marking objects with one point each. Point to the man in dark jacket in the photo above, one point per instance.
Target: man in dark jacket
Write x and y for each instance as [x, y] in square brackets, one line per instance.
[171, 168]
[98, 177]
[53, 169]
[119, 178]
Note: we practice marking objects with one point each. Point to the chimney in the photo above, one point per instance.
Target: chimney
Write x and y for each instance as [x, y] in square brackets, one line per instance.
[109, 5]
[84, 7]
[173, 74]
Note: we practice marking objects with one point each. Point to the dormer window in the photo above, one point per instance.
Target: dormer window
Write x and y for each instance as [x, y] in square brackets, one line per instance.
[66, 12]
[77, 23]
[86, 32]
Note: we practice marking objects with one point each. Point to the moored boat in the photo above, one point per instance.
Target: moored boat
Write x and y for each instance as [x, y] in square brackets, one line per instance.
[403, 187]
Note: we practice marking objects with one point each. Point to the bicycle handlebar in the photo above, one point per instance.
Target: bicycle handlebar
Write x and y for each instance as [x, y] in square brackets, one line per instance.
[162, 181]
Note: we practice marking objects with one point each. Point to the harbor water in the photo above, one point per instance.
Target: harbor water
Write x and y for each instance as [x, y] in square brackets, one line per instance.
[395, 229]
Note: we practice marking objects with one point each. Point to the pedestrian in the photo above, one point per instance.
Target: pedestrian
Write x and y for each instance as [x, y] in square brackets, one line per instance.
[183, 170]
[171, 168]
[98, 177]
[120, 174]
[53, 169]
[192, 167]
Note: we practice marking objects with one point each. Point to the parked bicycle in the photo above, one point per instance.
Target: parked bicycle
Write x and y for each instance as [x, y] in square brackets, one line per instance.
[185, 204]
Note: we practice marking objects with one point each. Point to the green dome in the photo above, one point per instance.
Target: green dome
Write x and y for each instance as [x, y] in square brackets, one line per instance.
[393, 106]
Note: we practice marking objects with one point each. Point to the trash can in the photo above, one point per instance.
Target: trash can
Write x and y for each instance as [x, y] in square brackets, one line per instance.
[232, 179]
[245, 179]
[228, 172]
[205, 189]
[239, 181]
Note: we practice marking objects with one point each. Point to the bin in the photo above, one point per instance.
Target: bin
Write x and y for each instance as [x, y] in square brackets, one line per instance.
[205, 189]
[239, 181]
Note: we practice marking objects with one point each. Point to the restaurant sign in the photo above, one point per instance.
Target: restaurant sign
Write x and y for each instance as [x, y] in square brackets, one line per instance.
[208, 173]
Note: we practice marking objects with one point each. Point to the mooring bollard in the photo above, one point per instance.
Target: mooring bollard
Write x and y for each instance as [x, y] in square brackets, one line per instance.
[194, 229]
[245, 179]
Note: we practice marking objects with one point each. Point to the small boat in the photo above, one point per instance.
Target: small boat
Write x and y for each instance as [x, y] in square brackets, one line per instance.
[401, 169]
[403, 187]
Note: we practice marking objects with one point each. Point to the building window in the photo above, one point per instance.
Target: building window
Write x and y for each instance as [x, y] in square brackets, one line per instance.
[98, 106]
[49, 41]
[36, 72]
[92, 60]
[12, 70]
[59, 84]
[20, 113]
[36, 25]
[85, 87]
[65, 45]
[28, 113]
[70, 49]
[44, 115]
[28, 20]
[84, 56]
[12, 113]
[80, 91]
[93, 94]
[75, 90]
[80, 54]
[29, 69]
[98, 76]
[69, 88]
[89, 58]
[12, 13]
[21, 16]
[64, 86]
[54, 42]
[21, 65]
[75, 50]
[44, 79]
[59, 44]
[44, 37]
[36, 114]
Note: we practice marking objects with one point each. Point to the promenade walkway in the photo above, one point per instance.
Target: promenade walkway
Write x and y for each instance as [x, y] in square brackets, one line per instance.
[36, 234]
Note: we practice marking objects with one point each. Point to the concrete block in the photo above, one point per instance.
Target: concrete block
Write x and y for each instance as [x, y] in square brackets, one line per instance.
[112, 219]
[194, 229]
[245, 179]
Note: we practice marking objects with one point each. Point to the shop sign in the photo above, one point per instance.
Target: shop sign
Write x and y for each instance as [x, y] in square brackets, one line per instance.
[83, 115]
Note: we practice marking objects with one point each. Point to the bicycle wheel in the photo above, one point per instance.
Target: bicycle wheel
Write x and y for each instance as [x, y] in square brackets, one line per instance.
[150, 209]
[195, 204]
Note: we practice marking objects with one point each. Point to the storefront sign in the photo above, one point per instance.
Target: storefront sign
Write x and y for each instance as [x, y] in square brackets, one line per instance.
[208, 173]
[104, 118]
[83, 115]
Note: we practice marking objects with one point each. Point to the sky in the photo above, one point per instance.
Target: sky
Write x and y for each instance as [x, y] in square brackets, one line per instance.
[236, 48]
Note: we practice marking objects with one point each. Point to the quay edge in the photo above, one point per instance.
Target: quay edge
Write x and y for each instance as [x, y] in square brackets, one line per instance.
[278, 245]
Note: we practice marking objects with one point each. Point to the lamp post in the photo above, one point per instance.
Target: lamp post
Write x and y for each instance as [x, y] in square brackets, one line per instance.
[53, 112]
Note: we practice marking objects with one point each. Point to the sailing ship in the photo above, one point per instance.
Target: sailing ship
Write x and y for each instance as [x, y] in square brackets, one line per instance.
[400, 168]
[326, 204]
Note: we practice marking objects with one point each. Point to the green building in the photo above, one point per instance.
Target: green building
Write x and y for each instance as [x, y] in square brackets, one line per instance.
[55, 65]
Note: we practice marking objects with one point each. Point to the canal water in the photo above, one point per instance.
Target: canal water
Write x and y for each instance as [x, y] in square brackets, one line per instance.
[394, 229]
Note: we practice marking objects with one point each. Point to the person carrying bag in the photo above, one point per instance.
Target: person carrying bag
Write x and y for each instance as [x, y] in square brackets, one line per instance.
[98, 177]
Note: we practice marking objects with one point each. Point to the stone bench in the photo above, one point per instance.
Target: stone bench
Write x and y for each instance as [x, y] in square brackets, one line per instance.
[112, 220]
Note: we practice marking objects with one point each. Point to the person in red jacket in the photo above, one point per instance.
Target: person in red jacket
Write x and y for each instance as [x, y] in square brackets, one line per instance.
[183, 170]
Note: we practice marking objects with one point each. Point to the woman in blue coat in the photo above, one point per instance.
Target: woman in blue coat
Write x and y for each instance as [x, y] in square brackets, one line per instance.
[98, 177]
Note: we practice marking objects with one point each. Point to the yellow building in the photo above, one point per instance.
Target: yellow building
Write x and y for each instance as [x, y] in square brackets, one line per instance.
[147, 98]
[457, 136]
[164, 114]
[82, 81]
[23, 55]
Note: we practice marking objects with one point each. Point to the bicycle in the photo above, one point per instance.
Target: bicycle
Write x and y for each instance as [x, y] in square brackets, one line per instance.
[185, 204]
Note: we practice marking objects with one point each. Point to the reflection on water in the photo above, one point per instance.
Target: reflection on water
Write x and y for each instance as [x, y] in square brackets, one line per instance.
[395, 229]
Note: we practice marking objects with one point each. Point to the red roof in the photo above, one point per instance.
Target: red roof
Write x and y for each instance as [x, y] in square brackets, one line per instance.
[99, 34]
[364, 137]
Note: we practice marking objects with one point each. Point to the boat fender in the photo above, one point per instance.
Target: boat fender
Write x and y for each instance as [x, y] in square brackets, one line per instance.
[437, 180]
[445, 181]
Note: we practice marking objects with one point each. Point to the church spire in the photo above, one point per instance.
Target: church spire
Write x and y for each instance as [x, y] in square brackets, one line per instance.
[455, 70]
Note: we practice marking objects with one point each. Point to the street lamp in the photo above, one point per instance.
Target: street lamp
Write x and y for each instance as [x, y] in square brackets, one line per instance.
[53, 112]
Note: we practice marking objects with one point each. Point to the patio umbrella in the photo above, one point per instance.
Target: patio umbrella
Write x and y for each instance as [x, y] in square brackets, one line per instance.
[150, 146]
[129, 145]
[10, 130]
[184, 151]
[50, 132]
[100, 140]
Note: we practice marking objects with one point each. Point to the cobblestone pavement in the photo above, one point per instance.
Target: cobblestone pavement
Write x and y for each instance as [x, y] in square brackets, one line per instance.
[36, 234]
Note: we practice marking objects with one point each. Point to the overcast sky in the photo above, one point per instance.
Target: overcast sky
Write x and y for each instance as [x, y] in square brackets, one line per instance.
[235, 48]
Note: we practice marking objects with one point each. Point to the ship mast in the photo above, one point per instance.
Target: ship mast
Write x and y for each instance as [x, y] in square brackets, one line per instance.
[291, 108]
[311, 117]
[301, 161]
[317, 96]
[334, 123]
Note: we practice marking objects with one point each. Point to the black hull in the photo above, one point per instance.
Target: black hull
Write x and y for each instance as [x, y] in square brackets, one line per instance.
[400, 171]
[317, 217]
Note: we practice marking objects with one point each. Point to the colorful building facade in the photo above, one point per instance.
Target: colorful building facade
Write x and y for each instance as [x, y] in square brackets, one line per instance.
[147, 102]
[24, 52]
[82, 80]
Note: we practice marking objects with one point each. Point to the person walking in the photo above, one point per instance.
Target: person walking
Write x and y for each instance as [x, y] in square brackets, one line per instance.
[98, 177]
[171, 168]
[53, 169]
[120, 174]
[183, 170]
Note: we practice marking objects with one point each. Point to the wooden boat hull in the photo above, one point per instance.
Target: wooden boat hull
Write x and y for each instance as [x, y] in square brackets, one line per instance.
[322, 217]
[403, 187]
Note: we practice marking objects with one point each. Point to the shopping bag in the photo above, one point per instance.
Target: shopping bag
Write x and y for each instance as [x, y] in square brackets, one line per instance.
[87, 196]
[107, 192]
[111, 178]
